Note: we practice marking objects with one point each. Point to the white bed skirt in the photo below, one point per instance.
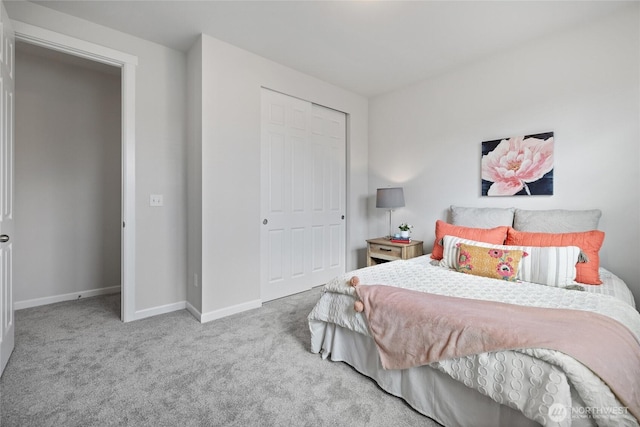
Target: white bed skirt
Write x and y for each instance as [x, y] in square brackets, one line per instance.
[427, 390]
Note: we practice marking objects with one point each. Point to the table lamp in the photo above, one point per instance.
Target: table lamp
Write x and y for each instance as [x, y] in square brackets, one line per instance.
[390, 198]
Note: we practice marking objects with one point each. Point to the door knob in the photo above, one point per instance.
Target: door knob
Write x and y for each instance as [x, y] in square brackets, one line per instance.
[4, 238]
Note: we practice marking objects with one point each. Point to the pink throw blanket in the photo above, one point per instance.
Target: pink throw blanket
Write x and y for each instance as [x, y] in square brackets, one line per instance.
[413, 328]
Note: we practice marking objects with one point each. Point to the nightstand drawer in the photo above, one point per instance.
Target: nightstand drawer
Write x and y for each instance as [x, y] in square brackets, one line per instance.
[385, 251]
[382, 250]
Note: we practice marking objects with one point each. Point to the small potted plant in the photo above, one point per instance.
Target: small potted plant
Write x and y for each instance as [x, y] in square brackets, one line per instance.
[405, 229]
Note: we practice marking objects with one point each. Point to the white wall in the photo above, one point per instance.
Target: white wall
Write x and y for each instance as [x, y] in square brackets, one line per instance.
[160, 151]
[583, 84]
[231, 82]
[67, 171]
[194, 176]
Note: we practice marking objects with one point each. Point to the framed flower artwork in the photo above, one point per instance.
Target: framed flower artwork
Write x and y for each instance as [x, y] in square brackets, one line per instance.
[520, 165]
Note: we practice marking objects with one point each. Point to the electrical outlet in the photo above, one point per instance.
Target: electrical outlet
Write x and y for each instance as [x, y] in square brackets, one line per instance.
[156, 200]
[195, 279]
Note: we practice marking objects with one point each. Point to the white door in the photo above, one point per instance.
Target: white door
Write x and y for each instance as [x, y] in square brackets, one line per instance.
[328, 193]
[303, 149]
[6, 189]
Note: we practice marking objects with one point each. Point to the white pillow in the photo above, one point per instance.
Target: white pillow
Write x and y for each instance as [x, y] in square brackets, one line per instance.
[481, 217]
[556, 220]
[552, 266]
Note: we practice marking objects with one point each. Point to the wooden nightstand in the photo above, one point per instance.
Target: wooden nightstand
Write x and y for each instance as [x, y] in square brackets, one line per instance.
[382, 250]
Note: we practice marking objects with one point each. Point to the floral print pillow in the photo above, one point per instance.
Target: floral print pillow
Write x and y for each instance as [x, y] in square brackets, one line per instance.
[489, 262]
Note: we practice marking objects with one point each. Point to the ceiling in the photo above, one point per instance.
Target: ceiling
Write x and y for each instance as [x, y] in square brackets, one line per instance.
[368, 47]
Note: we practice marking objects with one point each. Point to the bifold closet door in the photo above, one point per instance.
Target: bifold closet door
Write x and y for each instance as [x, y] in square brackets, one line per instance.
[303, 194]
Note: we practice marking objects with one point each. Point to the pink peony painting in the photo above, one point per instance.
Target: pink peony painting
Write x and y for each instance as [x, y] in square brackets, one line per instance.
[520, 165]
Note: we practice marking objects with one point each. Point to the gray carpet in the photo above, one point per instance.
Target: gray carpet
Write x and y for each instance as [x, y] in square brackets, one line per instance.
[76, 364]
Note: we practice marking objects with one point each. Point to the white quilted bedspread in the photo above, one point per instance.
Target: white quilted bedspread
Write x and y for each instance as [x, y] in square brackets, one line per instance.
[529, 380]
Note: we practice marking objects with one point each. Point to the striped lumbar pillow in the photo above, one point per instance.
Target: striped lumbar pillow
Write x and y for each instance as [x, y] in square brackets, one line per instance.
[552, 265]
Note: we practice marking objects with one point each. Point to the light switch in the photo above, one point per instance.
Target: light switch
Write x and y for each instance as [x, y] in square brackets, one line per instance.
[156, 200]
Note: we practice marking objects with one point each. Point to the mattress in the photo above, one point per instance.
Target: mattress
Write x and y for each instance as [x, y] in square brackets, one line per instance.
[525, 385]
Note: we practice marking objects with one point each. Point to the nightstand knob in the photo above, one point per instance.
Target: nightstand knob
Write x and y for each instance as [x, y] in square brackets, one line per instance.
[265, 221]
[342, 217]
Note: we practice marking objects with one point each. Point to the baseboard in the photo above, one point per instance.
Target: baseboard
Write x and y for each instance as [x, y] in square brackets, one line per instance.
[149, 312]
[162, 309]
[227, 311]
[194, 312]
[36, 302]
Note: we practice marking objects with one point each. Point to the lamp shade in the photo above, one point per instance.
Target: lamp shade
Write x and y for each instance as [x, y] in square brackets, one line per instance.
[390, 198]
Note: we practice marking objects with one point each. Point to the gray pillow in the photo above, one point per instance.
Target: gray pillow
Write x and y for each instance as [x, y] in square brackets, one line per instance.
[556, 220]
[481, 217]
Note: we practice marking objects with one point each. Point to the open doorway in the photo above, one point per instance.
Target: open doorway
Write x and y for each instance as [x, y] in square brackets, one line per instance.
[68, 172]
[127, 64]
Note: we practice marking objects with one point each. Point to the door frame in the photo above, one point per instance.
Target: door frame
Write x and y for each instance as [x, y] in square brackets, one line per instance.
[127, 63]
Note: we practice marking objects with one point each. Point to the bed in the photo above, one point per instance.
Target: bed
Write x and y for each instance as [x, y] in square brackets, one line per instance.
[503, 387]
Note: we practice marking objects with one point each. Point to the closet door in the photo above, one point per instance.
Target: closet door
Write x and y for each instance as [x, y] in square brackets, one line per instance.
[328, 193]
[7, 329]
[303, 149]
